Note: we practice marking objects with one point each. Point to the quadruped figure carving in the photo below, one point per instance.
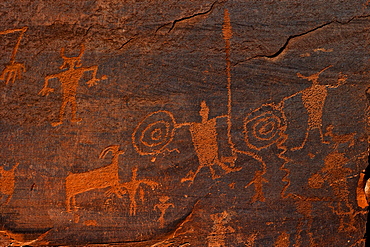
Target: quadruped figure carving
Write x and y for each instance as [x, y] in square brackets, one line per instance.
[13, 70]
[69, 80]
[77, 183]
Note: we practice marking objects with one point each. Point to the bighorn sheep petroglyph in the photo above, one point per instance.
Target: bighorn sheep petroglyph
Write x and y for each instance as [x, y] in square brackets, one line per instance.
[77, 183]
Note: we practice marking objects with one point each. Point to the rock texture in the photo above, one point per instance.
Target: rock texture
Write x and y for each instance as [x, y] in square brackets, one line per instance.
[183, 123]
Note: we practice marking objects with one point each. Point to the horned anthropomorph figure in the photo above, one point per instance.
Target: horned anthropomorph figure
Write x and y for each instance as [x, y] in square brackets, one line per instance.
[69, 79]
[314, 98]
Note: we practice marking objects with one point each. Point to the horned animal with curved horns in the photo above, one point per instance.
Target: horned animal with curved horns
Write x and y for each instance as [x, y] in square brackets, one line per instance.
[77, 183]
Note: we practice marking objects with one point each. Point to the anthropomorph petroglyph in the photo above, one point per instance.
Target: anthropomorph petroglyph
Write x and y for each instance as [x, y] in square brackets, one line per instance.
[7, 181]
[162, 207]
[132, 187]
[335, 174]
[69, 80]
[13, 70]
[217, 236]
[77, 183]
[258, 182]
[314, 99]
[204, 137]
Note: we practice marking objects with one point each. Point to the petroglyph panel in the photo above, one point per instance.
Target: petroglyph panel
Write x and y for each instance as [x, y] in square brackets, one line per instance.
[163, 123]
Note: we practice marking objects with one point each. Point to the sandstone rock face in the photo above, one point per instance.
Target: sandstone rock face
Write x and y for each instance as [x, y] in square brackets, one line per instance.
[183, 123]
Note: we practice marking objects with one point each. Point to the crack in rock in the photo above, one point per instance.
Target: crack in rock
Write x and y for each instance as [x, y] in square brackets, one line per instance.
[185, 18]
[291, 37]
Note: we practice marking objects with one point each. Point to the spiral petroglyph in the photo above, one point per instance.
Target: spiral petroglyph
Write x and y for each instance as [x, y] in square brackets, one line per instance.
[153, 134]
[264, 127]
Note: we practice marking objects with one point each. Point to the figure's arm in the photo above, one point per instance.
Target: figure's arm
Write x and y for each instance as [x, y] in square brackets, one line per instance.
[46, 89]
[342, 78]
[178, 126]
[93, 81]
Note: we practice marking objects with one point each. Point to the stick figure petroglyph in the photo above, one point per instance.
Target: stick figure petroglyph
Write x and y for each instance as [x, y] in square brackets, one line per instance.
[13, 69]
[258, 182]
[314, 99]
[132, 187]
[7, 181]
[69, 79]
[162, 207]
[204, 137]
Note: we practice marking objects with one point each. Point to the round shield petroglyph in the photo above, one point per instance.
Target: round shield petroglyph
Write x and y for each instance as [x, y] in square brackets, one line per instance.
[154, 133]
[264, 127]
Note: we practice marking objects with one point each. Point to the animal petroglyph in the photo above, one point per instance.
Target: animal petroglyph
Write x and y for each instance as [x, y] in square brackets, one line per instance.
[69, 79]
[264, 127]
[7, 182]
[204, 137]
[13, 70]
[77, 183]
[154, 133]
[258, 182]
[217, 237]
[162, 207]
[132, 187]
[314, 99]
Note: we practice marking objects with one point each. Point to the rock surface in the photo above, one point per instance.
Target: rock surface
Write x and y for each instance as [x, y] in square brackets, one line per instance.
[183, 123]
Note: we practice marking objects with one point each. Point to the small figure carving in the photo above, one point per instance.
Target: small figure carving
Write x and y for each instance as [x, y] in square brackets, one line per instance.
[217, 237]
[258, 181]
[204, 136]
[7, 181]
[77, 183]
[13, 69]
[69, 79]
[132, 187]
[163, 206]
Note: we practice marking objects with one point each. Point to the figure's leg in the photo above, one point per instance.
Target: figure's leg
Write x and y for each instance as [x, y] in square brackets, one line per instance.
[214, 176]
[322, 136]
[191, 175]
[226, 168]
[132, 206]
[74, 109]
[8, 76]
[14, 76]
[61, 112]
[68, 204]
[303, 143]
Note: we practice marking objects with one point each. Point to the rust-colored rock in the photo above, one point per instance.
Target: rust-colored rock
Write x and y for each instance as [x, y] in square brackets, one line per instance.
[183, 123]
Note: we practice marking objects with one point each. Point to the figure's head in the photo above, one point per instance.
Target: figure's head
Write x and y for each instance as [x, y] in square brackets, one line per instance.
[71, 62]
[204, 111]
